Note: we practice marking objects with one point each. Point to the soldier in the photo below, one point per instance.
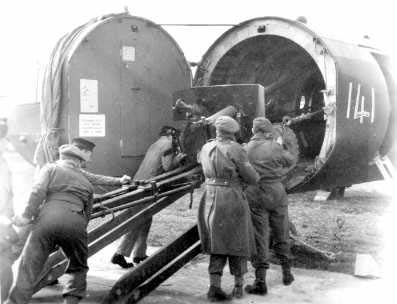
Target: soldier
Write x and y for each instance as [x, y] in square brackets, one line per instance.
[7, 234]
[87, 148]
[60, 204]
[6, 206]
[224, 218]
[161, 156]
[268, 202]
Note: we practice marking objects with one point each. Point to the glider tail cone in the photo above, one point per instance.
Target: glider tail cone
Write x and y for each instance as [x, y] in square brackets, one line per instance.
[341, 96]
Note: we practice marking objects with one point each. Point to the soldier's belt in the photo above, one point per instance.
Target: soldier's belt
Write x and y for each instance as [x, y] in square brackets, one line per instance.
[66, 200]
[221, 182]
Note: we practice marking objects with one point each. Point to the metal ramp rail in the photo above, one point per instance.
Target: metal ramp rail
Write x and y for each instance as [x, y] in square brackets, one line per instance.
[139, 281]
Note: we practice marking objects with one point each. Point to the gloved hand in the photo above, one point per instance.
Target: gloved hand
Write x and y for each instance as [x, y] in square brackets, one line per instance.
[20, 220]
[125, 179]
[179, 157]
[280, 141]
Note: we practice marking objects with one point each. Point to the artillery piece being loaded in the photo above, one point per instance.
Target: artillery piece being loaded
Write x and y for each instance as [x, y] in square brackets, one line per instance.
[334, 103]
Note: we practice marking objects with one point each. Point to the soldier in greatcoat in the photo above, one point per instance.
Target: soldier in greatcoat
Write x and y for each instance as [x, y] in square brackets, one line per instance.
[224, 218]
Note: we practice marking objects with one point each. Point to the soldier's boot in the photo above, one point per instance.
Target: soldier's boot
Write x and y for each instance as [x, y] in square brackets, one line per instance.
[71, 300]
[259, 287]
[120, 260]
[138, 260]
[215, 292]
[238, 287]
[288, 277]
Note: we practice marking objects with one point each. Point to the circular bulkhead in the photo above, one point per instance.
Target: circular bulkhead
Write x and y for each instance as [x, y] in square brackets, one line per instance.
[335, 84]
[118, 79]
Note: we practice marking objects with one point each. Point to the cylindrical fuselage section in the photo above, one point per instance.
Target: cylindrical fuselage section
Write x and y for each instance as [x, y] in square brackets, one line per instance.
[117, 89]
[303, 73]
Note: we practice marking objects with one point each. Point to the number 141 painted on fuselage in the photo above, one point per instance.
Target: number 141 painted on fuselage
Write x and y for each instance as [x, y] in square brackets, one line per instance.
[359, 106]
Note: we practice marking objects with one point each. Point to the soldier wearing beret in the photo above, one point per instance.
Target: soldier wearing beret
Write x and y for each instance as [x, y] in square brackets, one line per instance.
[268, 202]
[59, 204]
[224, 218]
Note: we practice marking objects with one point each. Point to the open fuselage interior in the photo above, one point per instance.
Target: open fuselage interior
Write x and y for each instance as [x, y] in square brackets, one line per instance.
[292, 82]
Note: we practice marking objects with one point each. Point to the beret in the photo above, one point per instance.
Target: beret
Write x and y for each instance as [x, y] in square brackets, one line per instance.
[262, 124]
[226, 124]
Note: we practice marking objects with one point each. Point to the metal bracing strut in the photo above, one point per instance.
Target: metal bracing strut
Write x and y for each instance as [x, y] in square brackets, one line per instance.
[385, 167]
[139, 281]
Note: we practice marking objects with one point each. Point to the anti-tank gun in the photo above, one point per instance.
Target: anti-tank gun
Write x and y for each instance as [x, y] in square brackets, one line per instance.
[199, 107]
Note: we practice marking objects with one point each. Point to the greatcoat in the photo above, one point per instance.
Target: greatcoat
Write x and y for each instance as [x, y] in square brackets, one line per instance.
[224, 219]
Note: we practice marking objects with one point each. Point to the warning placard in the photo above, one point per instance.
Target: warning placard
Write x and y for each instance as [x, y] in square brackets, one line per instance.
[128, 53]
[88, 95]
[92, 125]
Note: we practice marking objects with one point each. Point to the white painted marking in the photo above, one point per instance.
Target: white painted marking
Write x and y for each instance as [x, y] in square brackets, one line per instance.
[357, 101]
[349, 100]
[373, 105]
[362, 110]
[302, 103]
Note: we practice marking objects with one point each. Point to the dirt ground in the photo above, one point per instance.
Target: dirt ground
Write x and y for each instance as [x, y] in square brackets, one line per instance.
[344, 227]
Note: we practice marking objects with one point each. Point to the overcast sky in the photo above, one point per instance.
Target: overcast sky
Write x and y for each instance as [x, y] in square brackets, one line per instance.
[29, 29]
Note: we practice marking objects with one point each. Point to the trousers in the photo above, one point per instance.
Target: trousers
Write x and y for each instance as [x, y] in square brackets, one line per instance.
[5, 276]
[237, 264]
[269, 209]
[55, 226]
[135, 241]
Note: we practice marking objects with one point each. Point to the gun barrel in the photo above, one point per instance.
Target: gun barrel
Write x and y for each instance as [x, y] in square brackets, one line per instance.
[228, 111]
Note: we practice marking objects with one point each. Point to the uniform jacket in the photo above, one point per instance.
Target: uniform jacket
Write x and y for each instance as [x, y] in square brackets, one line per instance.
[158, 159]
[64, 184]
[224, 219]
[268, 158]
